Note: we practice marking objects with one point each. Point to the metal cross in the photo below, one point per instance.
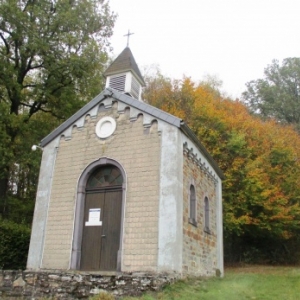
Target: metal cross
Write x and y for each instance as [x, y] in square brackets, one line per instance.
[128, 35]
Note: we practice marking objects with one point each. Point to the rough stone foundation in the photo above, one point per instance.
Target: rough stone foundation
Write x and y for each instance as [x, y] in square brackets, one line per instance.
[74, 285]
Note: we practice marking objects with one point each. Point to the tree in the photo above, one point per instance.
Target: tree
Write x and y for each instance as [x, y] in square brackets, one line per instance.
[277, 95]
[260, 160]
[52, 54]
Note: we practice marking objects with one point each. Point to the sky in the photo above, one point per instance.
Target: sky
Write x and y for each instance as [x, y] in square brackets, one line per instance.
[233, 40]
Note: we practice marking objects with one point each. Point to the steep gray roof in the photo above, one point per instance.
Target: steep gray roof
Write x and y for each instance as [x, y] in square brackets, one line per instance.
[143, 107]
[124, 62]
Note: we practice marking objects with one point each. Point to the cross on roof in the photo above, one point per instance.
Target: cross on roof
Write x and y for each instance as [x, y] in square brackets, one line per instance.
[128, 35]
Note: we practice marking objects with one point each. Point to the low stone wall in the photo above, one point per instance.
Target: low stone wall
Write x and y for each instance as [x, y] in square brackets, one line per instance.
[76, 285]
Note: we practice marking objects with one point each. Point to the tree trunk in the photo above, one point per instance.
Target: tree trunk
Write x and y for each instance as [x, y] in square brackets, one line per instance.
[3, 195]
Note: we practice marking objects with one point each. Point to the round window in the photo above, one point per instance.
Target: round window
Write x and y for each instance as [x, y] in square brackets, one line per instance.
[105, 127]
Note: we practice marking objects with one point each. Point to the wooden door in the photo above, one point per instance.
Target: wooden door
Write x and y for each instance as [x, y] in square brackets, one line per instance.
[101, 224]
[111, 230]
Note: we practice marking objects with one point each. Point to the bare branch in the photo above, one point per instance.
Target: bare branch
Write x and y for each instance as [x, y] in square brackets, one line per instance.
[25, 104]
[29, 85]
[5, 42]
[37, 66]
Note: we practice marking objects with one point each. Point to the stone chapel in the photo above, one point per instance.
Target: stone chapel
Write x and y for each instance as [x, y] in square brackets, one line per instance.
[126, 187]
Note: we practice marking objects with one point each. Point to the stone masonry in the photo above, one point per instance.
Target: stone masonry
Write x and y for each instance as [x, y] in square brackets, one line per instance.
[199, 246]
[137, 149]
[30, 285]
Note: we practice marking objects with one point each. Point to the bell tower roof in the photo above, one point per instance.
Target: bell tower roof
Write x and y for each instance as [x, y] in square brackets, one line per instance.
[124, 75]
[123, 63]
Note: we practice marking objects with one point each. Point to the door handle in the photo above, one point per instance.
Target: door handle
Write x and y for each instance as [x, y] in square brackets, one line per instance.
[103, 235]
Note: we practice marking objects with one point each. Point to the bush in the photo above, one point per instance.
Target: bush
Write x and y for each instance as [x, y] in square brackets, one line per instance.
[14, 244]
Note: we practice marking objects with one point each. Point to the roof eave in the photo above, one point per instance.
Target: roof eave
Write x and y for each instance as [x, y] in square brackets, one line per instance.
[109, 92]
[188, 132]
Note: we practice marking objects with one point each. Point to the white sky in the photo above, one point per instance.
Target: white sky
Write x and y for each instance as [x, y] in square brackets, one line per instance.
[232, 39]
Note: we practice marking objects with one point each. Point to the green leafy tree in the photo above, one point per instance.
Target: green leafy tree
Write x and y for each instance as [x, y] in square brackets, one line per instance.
[277, 95]
[52, 54]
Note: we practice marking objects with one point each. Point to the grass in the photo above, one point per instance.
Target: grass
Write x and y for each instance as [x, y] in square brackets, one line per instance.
[247, 283]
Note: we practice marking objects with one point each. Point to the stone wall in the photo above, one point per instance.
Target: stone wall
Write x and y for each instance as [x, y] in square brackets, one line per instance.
[199, 245]
[30, 285]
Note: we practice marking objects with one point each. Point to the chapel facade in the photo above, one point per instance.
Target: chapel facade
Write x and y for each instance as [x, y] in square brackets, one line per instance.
[126, 187]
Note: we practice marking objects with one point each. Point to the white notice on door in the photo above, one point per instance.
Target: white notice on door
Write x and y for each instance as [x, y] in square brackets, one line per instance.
[94, 217]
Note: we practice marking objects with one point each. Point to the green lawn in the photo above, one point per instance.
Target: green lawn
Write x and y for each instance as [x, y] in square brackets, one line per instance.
[259, 282]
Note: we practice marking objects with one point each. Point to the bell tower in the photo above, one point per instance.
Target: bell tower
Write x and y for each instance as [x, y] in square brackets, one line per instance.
[124, 75]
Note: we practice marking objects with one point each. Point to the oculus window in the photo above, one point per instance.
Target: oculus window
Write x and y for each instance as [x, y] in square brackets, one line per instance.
[105, 127]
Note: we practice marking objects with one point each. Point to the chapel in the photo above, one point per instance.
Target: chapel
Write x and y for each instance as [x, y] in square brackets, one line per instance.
[127, 187]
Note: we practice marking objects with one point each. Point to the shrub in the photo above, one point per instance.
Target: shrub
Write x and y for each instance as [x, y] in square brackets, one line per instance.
[14, 244]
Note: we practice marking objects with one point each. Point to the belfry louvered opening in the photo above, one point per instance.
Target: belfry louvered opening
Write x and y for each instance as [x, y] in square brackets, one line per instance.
[135, 88]
[118, 83]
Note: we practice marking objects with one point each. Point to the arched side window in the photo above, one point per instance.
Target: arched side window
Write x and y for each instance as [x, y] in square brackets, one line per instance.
[206, 215]
[193, 206]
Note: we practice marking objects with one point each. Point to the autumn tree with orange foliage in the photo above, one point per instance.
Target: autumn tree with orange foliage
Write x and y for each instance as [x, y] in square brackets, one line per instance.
[261, 162]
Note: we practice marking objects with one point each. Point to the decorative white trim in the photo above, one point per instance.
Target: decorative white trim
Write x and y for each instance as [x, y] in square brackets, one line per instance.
[40, 219]
[105, 127]
[107, 104]
[170, 224]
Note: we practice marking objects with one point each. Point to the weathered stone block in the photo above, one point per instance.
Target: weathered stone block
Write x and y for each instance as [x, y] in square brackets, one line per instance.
[19, 282]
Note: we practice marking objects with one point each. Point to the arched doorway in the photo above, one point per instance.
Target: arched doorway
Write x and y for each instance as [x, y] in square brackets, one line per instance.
[98, 217]
[102, 220]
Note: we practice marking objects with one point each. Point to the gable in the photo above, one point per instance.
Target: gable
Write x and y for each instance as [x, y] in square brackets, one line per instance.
[92, 108]
[136, 107]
